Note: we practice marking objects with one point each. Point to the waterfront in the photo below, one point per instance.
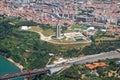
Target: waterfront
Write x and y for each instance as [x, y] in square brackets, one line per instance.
[7, 67]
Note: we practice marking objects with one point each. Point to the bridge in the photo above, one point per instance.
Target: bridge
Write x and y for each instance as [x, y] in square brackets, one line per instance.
[25, 74]
[78, 60]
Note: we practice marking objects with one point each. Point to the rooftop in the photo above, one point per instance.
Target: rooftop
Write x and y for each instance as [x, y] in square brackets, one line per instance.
[95, 65]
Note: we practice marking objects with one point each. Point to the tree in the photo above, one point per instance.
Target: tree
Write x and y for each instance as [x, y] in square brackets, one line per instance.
[93, 39]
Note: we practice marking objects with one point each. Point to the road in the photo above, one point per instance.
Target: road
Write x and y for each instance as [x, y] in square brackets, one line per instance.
[42, 37]
[50, 40]
[78, 60]
[96, 57]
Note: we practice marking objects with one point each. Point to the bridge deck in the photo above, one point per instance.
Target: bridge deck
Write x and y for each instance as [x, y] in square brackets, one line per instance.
[22, 74]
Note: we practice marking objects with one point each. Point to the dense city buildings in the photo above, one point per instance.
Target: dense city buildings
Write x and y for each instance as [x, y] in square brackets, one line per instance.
[46, 11]
[94, 12]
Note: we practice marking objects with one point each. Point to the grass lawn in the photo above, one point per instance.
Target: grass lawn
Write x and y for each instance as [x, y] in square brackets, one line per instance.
[105, 38]
[79, 27]
[18, 21]
[47, 32]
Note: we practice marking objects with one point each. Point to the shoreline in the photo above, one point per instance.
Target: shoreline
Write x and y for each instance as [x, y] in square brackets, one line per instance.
[16, 64]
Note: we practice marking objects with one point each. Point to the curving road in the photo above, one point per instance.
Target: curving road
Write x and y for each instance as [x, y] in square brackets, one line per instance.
[49, 39]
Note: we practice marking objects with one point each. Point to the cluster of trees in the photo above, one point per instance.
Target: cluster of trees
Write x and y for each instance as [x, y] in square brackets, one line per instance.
[76, 72]
[102, 46]
[24, 47]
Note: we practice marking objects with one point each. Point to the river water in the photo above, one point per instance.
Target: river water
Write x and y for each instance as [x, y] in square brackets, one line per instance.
[7, 67]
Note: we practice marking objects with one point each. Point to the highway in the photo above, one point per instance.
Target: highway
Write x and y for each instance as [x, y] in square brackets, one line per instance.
[96, 57]
[78, 60]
